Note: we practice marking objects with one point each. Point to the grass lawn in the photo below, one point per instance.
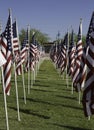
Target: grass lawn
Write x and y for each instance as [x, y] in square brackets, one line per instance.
[50, 104]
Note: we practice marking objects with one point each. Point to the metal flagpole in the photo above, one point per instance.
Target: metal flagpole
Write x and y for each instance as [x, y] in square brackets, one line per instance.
[0, 34]
[34, 74]
[89, 118]
[79, 97]
[15, 74]
[36, 68]
[28, 33]
[21, 68]
[2, 62]
[28, 81]
[7, 123]
[72, 88]
[67, 60]
[72, 81]
[23, 84]
[5, 102]
[16, 86]
[32, 79]
[79, 93]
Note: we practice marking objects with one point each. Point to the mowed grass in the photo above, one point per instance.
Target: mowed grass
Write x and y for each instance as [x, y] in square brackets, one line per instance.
[50, 104]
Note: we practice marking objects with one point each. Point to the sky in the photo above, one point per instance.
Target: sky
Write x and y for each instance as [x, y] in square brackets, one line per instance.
[49, 16]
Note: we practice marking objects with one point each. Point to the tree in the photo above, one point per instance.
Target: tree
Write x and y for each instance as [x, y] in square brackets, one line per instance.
[83, 39]
[75, 39]
[22, 35]
[40, 37]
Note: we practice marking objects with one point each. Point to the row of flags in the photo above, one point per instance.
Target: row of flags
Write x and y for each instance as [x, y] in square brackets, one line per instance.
[13, 54]
[78, 61]
[27, 53]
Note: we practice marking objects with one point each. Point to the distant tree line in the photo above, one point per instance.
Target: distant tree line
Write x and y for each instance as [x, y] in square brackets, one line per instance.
[40, 37]
[75, 39]
[43, 38]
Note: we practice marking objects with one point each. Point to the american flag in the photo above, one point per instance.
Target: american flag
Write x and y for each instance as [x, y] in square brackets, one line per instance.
[27, 51]
[83, 66]
[3, 41]
[88, 93]
[33, 52]
[53, 53]
[16, 50]
[83, 69]
[2, 56]
[23, 52]
[59, 56]
[15, 38]
[64, 53]
[33, 46]
[25, 48]
[71, 55]
[7, 51]
[79, 53]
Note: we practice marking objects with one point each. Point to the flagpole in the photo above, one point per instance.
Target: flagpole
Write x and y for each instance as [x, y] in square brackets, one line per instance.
[35, 62]
[16, 86]
[72, 88]
[39, 62]
[79, 93]
[28, 29]
[5, 102]
[22, 69]
[23, 84]
[79, 97]
[0, 34]
[34, 72]
[28, 81]
[32, 79]
[89, 118]
[2, 62]
[15, 74]
[36, 67]
[67, 62]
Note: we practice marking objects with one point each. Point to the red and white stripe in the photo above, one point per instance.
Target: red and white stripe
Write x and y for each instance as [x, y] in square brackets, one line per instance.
[64, 58]
[7, 71]
[79, 52]
[15, 45]
[3, 46]
[71, 61]
[88, 93]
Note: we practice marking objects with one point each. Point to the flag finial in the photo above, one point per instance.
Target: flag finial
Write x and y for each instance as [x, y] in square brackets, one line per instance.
[9, 10]
[81, 20]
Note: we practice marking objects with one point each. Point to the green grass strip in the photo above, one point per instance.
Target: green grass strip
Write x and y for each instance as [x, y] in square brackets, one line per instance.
[50, 104]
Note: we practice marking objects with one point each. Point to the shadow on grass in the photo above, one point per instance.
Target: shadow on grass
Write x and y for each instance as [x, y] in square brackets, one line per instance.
[69, 127]
[27, 111]
[41, 90]
[52, 103]
[64, 84]
[40, 85]
[51, 86]
[1, 93]
[66, 97]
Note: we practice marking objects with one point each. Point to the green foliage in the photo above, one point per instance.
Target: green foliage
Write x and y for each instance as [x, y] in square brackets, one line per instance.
[40, 37]
[83, 38]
